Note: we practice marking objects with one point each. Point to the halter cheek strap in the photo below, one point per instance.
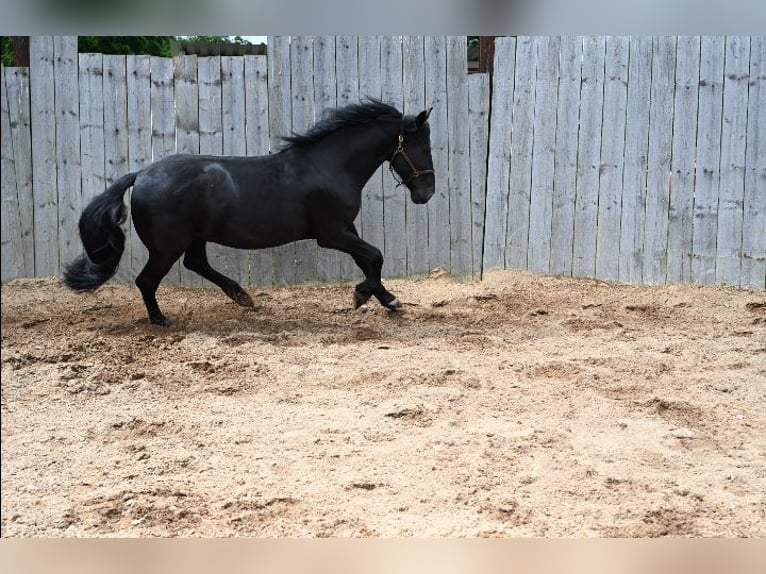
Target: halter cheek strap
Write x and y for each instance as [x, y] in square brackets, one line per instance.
[415, 171]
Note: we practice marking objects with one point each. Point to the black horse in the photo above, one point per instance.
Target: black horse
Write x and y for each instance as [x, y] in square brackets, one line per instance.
[310, 189]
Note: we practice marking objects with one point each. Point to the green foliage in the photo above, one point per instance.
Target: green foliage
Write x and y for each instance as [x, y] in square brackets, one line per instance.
[148, 45]
[6, 50]
[216, 39]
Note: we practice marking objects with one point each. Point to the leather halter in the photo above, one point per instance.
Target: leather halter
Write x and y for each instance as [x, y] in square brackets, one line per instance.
[415, 171]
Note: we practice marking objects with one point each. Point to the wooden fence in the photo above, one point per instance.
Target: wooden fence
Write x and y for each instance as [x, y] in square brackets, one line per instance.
[634, 159]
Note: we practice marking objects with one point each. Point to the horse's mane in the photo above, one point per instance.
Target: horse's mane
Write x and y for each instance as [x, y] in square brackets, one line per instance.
[335, 119]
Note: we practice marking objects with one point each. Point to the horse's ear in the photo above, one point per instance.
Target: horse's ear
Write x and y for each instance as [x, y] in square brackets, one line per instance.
[423, 117]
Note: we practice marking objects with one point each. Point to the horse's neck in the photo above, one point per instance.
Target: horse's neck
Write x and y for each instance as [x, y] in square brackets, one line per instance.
[362, 150]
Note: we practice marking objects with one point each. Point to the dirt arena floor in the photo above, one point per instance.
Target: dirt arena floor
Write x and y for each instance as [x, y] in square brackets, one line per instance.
[517, 406]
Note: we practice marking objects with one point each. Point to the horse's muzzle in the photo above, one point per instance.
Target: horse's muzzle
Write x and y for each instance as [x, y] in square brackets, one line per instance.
[422, 195]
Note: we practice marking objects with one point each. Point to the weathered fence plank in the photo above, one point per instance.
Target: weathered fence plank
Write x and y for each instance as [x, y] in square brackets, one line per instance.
[280, 125]
[458, 159]
[565, 168]
[683, 171]
[658, 170]
[370, 86]
[116, 131]
[257, 136]
[12, 258]
[302, 83]
[611, 165]
[163, 121]
[498, 165]
[139, 143]
[44, 177]
[733, 140]
[186, 90]
[347, 74]
[211, 133]
[92, 125]
[16, 81]
[439, 205]
[589, 158]
[325, 98]
[394, 245]
[522, 134]
[543, 153]
[234, 143]
[413, 88]
[705, 229]
[68, 166]
[478, 143]
[754, 220]
[633, 214]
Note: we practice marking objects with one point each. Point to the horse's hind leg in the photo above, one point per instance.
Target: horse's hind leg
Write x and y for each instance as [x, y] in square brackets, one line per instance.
[149, 280]
[196, 260]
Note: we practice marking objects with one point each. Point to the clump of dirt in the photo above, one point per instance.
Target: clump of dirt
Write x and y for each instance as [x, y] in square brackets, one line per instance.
[520, 405]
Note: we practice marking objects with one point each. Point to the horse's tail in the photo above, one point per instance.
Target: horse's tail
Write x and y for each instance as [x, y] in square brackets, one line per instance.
[102, 237]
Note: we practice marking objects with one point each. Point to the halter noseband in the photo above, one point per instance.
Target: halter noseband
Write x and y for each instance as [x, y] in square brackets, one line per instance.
[415, 171]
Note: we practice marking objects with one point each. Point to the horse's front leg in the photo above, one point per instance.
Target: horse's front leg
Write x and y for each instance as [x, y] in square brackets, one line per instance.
[370, 260]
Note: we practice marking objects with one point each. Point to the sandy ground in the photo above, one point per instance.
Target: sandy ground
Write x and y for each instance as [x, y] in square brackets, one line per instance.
[518, 406]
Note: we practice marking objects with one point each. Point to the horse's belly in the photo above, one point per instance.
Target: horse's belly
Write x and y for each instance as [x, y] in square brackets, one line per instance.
[258, 232]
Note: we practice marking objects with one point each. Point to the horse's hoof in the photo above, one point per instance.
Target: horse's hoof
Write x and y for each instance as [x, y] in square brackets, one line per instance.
[243, 299]
[393, 305]
[360, 299]
[162, 321]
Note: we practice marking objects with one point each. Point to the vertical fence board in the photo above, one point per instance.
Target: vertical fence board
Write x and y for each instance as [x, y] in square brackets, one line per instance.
[658, 172]
[115, 137]
[163, 123]
[18, 100]
[163, 108]
[543, 153]
[302, 82]
[413, 88]
[395, 239]
[684, 159]
[211, 133]
[44, 181]
[139, 138]
[347, 76]
[705, 228]
[257, 136]
[68, 166]
[187, 126]
[370, 85]
[439, 205]
[733, 140]
[499, 159]
[12, 257]
[522, 136]
[478, 143]
[325, 97]
[611, 166]
[565, 168]
[458, 165]
[589, 158]
[280, 125]
[633, 214]
[754, 221]
[92, 125]
[234, 143]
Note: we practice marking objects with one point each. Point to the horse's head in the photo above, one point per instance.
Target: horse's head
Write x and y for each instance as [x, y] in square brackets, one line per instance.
[411, 163]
